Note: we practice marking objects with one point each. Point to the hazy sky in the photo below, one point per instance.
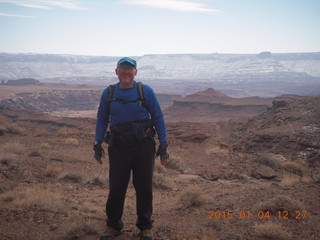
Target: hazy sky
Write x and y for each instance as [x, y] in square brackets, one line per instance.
[138, 27]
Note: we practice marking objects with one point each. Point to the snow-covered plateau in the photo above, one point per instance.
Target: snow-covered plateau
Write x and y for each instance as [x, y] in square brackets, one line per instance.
[226, 72]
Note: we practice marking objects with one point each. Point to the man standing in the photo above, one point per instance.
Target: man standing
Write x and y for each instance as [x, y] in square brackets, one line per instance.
[133, 112]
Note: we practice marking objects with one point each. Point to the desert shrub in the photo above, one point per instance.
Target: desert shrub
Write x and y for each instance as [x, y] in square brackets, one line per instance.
[294, 167]
[160, 181]
[45, 146]
[33, 197]
[306, 179]
[278, 161]
[80, 228]
[6, 161]
[97, 182]
[52, 171]
[231, 175]
[271, 231]
[223, 165]
[72, 141]
[9, 160]
[14, 128]
[67, 130]
[40, 131]
[289, 180]
[271, 160]
[159, 168]
[281, 203]
[15, 148]
[174, 163]
[316, 177]
[193, 197]
[72, 177]
[34, 154]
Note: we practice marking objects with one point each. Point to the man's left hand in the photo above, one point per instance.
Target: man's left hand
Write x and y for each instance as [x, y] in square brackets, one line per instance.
[164, 154]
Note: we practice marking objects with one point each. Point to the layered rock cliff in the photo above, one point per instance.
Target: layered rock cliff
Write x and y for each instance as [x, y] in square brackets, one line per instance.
[211, 104]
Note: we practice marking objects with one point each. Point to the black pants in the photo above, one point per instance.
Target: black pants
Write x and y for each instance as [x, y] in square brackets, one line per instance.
[124, 157]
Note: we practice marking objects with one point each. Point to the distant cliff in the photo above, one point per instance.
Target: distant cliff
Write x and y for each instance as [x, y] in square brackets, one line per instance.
[212, 104]
[66, 100]
[55, 100]
[20, 82]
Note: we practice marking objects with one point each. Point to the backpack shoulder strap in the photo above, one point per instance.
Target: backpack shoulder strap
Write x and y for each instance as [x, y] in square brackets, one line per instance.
[141, 99]
[110, 92]
[110, 98]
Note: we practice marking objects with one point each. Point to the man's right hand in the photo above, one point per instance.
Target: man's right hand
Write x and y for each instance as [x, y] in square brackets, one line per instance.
[98, 152]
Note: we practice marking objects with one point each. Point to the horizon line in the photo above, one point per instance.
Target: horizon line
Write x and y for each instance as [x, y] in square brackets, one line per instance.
[148, 54]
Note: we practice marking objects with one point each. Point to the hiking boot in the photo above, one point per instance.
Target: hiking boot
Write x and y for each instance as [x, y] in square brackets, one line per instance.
[109, 233]
[146, 234]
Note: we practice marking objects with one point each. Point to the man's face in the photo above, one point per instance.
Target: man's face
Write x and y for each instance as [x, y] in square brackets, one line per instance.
[126, 75]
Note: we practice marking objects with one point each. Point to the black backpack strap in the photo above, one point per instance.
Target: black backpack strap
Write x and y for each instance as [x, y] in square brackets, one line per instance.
[110, 98]
[141, 99]
[110, 92]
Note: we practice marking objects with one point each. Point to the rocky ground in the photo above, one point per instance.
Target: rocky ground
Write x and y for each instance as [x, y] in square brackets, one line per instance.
[236, 179]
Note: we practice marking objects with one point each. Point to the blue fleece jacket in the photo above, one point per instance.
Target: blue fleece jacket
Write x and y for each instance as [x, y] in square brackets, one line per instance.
[131, 111]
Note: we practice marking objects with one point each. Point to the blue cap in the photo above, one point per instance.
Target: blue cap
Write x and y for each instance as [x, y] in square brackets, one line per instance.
[126, 61]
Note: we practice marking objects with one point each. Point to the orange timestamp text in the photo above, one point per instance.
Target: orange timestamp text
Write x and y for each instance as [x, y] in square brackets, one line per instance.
[257, 214]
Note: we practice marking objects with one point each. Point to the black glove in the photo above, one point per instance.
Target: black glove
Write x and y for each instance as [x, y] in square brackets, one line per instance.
[98, 151]
[163, 152]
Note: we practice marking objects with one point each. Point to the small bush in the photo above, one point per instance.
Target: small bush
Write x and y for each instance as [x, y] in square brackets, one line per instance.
[289, 180]
[33, 197]
[271, 160]
[72, 177]
[72, 141]
[281, 203]
[67, 131]
[97, 182]
[52, 171]
[161, 182]
[174, 163]
[271, 231]
[6, 161]
[15, 148]
[81, 228]
[295, 168]
[40, 131]
[14, 128]
[45, 146]
[192, 197]
[34, 154]
[159, 168]
[306, 179]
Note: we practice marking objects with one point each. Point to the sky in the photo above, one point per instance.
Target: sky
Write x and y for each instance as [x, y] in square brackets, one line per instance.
[140, 27]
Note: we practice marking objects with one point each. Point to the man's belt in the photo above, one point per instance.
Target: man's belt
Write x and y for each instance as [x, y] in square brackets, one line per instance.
[130, 126]
[140, 129]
